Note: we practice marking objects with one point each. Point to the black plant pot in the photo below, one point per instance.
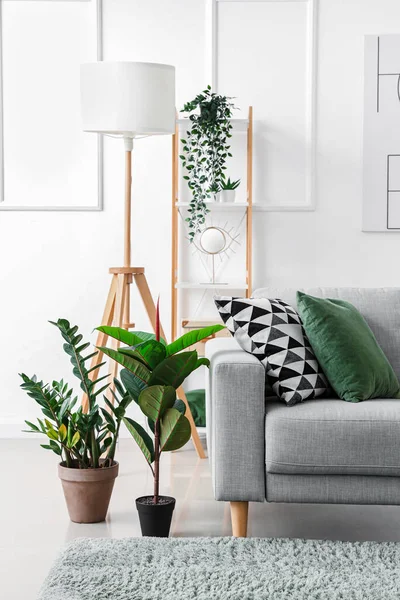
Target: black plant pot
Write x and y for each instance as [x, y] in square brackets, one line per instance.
[155, 519]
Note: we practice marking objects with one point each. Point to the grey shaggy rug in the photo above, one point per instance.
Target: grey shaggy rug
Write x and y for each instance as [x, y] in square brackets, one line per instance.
[224, 569]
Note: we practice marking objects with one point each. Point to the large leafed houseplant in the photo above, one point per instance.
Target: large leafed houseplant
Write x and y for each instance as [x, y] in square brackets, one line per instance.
[153, 372]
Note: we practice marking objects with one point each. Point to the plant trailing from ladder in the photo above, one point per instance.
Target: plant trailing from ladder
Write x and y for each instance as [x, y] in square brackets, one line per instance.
[205, 151]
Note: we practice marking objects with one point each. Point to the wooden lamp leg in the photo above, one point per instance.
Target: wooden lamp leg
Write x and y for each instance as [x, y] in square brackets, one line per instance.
[239, 516]
[195, 434]
[119, 313]
[117, 309]
[107, 319]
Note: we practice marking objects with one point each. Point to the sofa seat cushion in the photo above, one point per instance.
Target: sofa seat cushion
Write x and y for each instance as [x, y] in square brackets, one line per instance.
[329, 436]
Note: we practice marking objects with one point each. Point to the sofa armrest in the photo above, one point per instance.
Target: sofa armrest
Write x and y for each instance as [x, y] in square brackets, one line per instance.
[235, 422]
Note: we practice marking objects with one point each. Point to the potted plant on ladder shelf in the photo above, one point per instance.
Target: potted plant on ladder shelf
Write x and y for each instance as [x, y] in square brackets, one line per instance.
[228, 190]
[153, 373]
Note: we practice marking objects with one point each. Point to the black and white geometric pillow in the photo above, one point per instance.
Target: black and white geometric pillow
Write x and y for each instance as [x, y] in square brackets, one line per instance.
[272, 331]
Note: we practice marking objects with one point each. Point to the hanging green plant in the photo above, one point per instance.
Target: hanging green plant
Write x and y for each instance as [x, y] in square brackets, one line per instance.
[205, 151]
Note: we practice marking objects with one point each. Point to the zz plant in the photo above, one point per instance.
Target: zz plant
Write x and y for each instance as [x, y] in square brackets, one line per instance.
[205, 151]
[79, 438]
[153, 371]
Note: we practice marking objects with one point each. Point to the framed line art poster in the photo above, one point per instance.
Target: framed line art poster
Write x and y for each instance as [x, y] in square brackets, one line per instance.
[381, 162]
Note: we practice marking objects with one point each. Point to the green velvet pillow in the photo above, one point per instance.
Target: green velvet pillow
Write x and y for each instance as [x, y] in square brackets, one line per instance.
[346, 349]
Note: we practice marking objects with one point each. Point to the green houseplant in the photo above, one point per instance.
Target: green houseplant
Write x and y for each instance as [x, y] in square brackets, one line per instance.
[228, 190]
[205, 150]
[197, 403]
[85, 443]
[153, 371]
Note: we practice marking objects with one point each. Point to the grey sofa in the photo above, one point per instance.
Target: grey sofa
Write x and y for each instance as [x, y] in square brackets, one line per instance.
[320, 451]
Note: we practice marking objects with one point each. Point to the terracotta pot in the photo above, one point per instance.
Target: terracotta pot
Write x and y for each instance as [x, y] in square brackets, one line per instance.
[87, 491]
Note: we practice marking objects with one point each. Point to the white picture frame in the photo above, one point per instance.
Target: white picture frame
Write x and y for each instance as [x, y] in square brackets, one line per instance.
[98, 51]
[212, 46]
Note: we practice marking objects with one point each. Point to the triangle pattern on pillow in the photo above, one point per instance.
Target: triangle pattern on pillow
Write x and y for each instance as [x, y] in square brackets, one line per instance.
[272, 330]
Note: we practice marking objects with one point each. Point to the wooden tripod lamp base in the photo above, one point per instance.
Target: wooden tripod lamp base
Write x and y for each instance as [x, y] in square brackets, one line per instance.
[116, 313]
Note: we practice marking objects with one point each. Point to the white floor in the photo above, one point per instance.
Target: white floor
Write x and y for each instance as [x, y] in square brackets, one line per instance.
[34, 523]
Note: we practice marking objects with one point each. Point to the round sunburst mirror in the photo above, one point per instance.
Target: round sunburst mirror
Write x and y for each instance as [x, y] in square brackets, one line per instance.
[215, 241]
[212, 240]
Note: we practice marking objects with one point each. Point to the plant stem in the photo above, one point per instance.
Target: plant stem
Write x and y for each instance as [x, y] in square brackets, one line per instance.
[156, 460]
[67, 458]
[94, 451]
[71, 452]
[111, 452]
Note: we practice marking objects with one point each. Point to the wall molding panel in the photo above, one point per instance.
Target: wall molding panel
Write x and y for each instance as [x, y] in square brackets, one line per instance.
[97, 205]
[215, 10]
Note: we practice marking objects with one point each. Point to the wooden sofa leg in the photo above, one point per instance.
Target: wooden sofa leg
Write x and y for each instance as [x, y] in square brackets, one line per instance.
[239, 514]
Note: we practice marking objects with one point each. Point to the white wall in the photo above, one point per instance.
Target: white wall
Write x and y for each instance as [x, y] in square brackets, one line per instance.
[55, 264]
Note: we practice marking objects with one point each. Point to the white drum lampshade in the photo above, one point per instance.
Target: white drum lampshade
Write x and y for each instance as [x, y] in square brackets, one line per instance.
[129, 99]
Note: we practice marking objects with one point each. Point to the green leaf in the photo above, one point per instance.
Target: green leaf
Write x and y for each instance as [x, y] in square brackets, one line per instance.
[102, 389]
[132, 353]
[202, 362]
[174, 369]
[32, 426]
[133, 365]
[52, 434]
[107, 442]
[196, 400]
[56, 448]
[110, 406]
[72, 348]
[141, 437]
[180, 405]
[62, 432]
[192, 337]
[109, 419]
[63, 408]
[132, 384]
[174, 430]
[122, 335]
[155, 400]
[130, 338]
[119, 412]
[75, 439]
[152, 351]
[46, 446]
[151, 425]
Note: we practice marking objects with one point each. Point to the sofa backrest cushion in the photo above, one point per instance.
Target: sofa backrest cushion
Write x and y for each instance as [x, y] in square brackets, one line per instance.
[380, 307]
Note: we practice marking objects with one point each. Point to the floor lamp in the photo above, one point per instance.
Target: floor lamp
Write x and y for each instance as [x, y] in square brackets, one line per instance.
[128, 100]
